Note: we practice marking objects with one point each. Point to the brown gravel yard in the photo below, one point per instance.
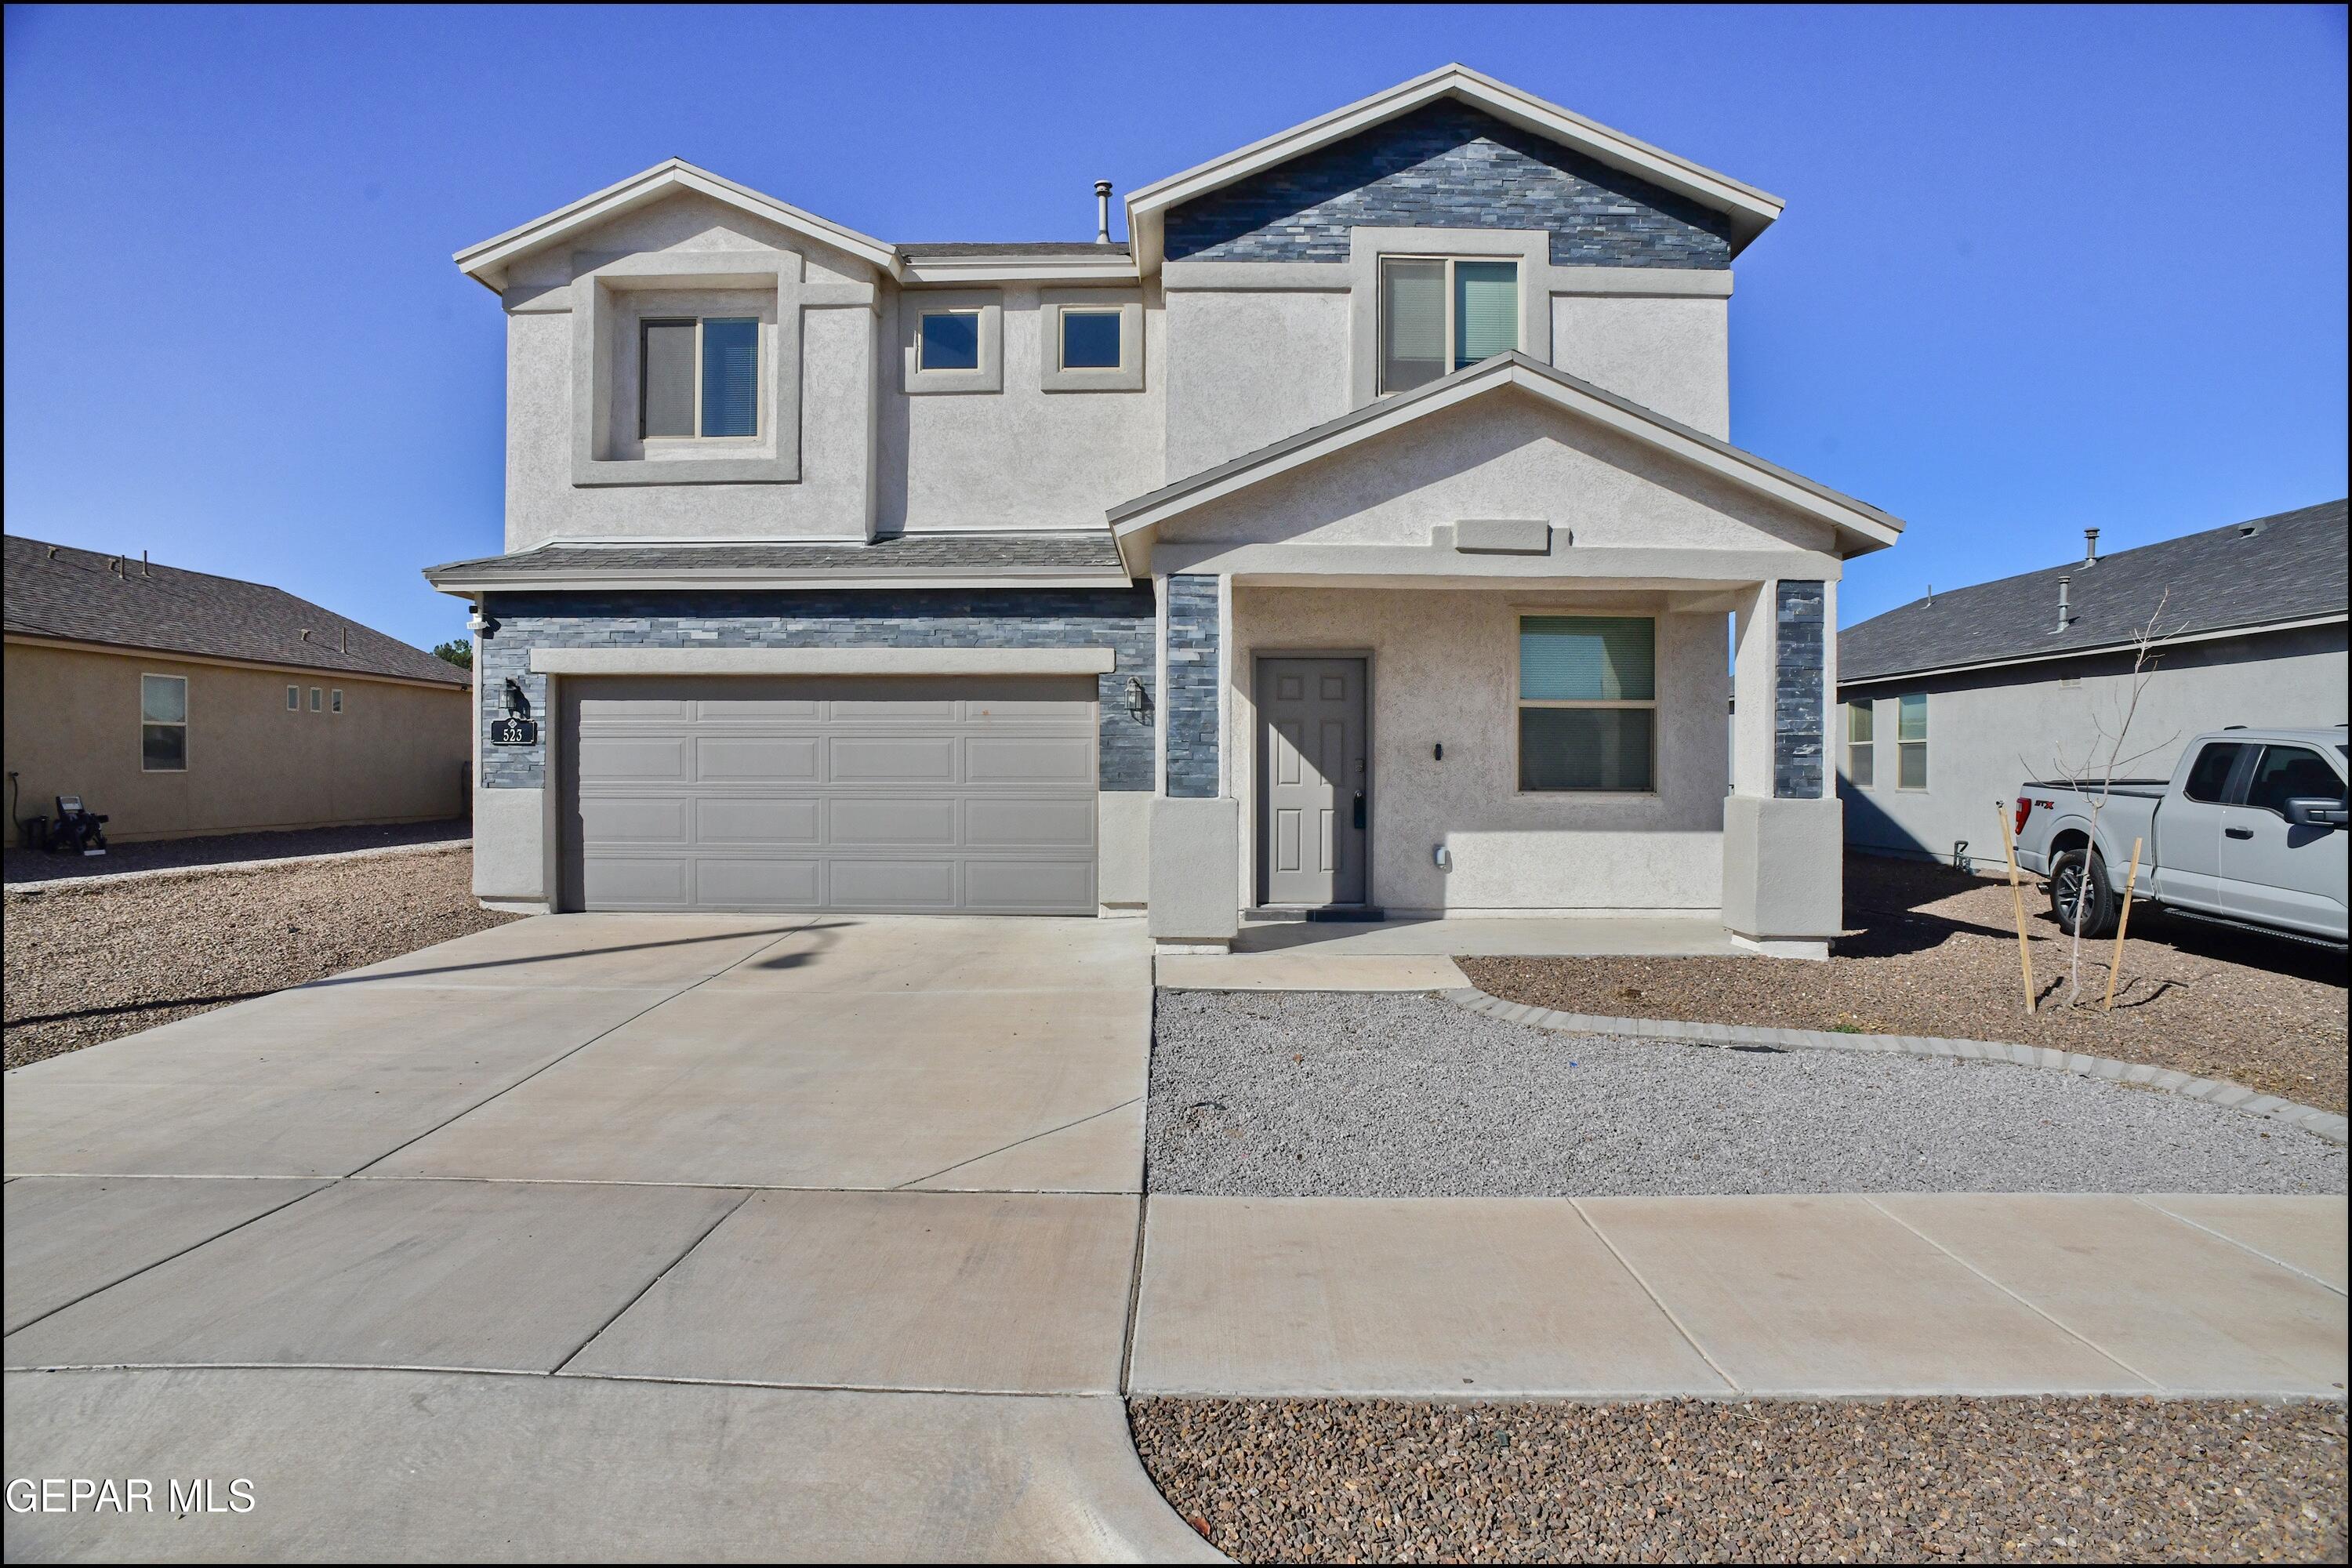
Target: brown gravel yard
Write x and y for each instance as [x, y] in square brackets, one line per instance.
[90, 962]
[2008, 1480]
[1933, 952]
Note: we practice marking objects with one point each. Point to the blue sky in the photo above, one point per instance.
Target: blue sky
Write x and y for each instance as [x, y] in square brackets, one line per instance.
[2040, 270]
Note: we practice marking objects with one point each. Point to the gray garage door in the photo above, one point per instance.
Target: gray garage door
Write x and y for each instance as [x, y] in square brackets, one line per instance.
[953, 797]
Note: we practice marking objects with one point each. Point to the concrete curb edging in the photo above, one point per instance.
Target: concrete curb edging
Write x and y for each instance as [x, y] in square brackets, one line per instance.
[2323, 1123]
[68, 884]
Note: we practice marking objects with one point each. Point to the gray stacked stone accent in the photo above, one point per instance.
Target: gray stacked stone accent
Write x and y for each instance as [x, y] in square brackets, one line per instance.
[1448, 165]
[1120, 618]
[1192, 647]
[1797, 687]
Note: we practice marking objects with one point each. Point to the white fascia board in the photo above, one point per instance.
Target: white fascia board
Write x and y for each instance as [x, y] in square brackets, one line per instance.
[660, 580]
[1751, 473]
[2057, 656]
[485, 263]
[1020, 269]
[823, 661]
[1751, 210]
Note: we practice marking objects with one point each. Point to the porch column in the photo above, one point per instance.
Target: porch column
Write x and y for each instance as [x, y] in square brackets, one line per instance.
[1783, 824]
[1195, 820]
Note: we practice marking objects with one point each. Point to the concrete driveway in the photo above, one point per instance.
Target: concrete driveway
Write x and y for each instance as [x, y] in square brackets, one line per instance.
[595, 1235]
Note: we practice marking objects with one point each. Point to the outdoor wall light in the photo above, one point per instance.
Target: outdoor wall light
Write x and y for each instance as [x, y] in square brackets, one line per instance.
[1139, 700]
[1442, 858]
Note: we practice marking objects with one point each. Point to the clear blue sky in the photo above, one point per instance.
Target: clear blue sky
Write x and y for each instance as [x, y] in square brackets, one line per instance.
[2041, 269]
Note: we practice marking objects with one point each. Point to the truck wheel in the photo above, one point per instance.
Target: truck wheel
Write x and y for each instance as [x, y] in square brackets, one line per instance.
[2066, 886]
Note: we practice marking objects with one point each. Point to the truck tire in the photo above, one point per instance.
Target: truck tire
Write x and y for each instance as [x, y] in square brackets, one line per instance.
[2066, 886]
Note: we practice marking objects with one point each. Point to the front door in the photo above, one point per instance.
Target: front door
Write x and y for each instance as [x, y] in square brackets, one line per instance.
[1313, 795]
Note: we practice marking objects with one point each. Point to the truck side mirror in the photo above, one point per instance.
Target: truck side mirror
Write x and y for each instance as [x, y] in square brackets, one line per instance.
[2317, 811]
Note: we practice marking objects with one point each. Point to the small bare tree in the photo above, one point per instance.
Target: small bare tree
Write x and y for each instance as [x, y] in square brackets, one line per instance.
[2104, 757]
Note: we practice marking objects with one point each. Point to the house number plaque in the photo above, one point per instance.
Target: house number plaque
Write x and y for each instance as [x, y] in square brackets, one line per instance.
[514, 732]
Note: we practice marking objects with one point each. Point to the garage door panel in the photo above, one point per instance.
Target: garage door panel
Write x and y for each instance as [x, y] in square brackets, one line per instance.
[1028, 758]
[927, 821]
[758, 820]
[634, 819]
[1034, 824]
[757, 759]
[870, 794]
[759, 883]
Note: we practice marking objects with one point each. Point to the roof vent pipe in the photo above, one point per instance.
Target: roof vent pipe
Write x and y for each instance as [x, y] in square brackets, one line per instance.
[2065, 587]
[2090, 547]
[1102, 212]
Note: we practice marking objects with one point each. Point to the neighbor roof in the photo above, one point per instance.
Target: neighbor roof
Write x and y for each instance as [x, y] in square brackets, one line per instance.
[81, 595]
[2270, 571]
[911, 560]
[1860, 526]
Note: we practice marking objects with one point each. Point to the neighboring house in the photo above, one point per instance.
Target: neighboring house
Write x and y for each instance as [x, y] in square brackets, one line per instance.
[1363, 532]
[1954, 699]
[179, 703]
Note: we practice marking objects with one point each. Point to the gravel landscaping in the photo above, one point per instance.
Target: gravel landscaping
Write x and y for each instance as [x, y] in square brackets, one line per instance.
[1403, 1095]
[1934, 952]
[25, 866]
[2036, 1480]
[87, 962]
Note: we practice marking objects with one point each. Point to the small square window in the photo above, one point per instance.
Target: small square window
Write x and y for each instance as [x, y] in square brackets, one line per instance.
[335, 699]
[951, 341]
[315, 695]
[1090, 340]
[293, 699]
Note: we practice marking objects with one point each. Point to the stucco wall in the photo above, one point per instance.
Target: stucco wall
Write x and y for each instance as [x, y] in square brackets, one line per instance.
[1670, 354]
[395, 754]
[1989, 731]
[1441, 664]
[1248, 368]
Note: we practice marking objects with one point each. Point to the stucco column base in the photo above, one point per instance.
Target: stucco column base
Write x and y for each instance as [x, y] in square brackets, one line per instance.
[1783, 869]
[510, 848]
[1196, 847]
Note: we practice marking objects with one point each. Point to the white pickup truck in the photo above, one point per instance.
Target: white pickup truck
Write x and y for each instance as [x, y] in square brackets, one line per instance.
[2249, 831]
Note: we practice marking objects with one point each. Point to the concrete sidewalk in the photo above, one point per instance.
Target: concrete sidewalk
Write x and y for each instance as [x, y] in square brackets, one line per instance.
[1795, 1297]
[1417, 955]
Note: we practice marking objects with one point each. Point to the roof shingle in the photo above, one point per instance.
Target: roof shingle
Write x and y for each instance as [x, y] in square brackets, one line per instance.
[57, 591]
[1074, 552]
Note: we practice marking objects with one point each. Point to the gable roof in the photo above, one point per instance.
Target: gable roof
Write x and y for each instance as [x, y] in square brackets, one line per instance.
[81, 595]
[1860, 526]
[2270, 571]
[1749, 210]
[485, 263]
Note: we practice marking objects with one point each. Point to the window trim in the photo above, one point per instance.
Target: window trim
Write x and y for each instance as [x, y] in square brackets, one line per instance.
[1901, 745]
[1866, 708]
[699, 324]
[1062, 337]
[1453, 334]
[914, 304]
[293, 699]
[316, 695]
[978, 354]
[146, 724]
[335, 699]
[1520, 613]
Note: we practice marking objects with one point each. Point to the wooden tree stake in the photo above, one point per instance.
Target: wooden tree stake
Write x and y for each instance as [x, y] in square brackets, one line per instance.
[2123, 919]
[2017, 898]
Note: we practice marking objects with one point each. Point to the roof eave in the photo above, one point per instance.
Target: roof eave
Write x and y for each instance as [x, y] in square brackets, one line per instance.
[2091, 650]
[1750, 209]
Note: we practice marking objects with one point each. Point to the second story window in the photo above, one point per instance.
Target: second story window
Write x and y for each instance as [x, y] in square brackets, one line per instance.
[949, 340]
[1089, 339]
[1911, 741]
[1439, 314]
[699, 377]
[1861, 744]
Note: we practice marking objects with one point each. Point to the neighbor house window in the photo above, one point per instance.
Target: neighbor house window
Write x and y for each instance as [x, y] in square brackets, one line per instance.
[293, 699]
[1587, 703]
[1861, 744]
[1911, 741]
[949, 340]
[314, 699]
[699, 377]
[335, 699]
[163, 723]
[1440, 314]
[1089, 339]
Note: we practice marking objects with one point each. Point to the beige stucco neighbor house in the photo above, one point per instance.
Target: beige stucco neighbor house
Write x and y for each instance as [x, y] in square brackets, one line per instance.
[1364, 532]
[179, 703]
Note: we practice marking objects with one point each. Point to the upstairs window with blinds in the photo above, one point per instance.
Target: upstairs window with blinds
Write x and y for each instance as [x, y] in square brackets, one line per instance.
[1588, 703]
[1440, 314]
[699, 377]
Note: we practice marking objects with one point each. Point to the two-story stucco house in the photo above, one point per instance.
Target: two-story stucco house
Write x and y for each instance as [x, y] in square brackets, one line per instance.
[1365, 532]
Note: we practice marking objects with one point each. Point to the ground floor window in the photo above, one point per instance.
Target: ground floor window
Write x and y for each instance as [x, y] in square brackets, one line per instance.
[1588, 703]
[1861, 744]
[1911, 741]
[163, 723]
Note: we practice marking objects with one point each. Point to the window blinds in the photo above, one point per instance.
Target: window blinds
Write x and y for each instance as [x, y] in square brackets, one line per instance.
[1486, 310]
[730, 377]
[1413, 323]
[1588, 658]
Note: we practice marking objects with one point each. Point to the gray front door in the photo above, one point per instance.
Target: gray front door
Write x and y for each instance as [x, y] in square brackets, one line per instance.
[955, 796]
[1313, 800]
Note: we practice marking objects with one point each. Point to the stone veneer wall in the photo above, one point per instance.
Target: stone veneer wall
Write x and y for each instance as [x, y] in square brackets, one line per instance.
[1192, 645]
[1448, 165]
[1798, 713]
[1013, 617]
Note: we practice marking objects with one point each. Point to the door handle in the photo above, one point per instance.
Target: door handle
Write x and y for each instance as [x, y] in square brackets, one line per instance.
[1359, 808]
[2238, 832]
